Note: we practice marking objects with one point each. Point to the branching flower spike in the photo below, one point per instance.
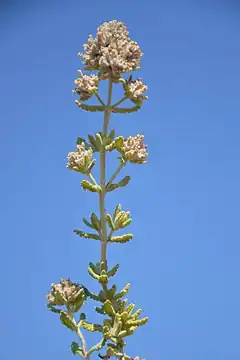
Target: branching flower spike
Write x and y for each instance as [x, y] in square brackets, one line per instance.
[108, 56]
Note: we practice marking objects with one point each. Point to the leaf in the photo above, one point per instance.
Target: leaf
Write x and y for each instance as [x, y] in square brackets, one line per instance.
[53, 309]
[92, 273]
[139, 322]
[88, 224]
[112, 134]
[110, 222]
[76, 350]
[91, 327]
[130, 309]
[79, 300]
[95, 222]
[116, 211]
[99, 141]
[68, 321]
[87, 235]
[93, 142]
[103, 278]
[92, 108]
[122, 183]
[125, 110]
[113, 271]
[121, 238]
[123, 292]
[100, 310]
[111, 292]
[115, 144]
[136, 315]
[109, 308]
[86, 185]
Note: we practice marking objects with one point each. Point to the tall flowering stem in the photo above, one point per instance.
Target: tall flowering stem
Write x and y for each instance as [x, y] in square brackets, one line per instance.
[109, 56]
[107, 114]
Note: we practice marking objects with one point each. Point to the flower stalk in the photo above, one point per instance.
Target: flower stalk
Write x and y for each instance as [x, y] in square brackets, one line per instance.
[107, 114]
[108, 56]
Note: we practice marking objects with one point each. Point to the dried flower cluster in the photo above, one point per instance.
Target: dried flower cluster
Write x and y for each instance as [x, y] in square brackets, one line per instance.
[135, 89]
[111, 51]
[64, 293]
[86, 85]
[109, 55]
[78, 160]
[134, 149]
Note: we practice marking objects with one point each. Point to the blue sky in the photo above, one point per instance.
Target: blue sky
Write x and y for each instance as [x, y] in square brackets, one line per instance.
[183, 263]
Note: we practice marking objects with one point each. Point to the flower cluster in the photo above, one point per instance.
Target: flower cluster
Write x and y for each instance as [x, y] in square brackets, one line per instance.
[111, 51]
[80, 159]
[64, 293]
[135, 89]
[134, 149]
[86, 85]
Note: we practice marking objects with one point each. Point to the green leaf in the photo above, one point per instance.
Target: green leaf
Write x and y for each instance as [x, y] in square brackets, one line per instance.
[100, 310]
[122, 183]
[130, 309]
[123, 292]
[92, 273]
[112, 134]
[139, 322]
[121, 238]
[110, 222]
[76, 350]
[103, 278]
[111, 292]
[125, 110]
[116, 211]
[92, 108]
[109, 308]
[53, 309]
[93, 142]
[91, 327]
[99, 140]
[113, 271]
[87, 235]
[68, 321]
[86, 185]
[88, 224]
[95, 222]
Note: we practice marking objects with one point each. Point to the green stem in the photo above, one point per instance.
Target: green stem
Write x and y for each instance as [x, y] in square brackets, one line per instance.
[92, 178]
[115, 174]
[120, 101]
[83, 342]
[102, 194]
[99, 99]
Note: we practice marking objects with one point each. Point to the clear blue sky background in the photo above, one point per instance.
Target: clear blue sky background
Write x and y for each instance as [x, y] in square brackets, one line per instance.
[184, 260]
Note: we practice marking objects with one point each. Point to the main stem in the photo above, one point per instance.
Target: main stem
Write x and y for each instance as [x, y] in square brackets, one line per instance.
[107, 114]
